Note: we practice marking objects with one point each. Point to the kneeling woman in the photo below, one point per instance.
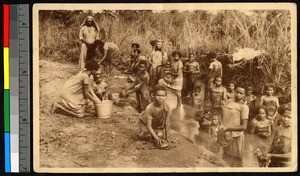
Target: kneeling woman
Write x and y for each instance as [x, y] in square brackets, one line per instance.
[77, 92]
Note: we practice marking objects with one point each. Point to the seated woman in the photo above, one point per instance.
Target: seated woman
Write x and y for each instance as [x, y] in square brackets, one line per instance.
[260, 125]
[77, 92]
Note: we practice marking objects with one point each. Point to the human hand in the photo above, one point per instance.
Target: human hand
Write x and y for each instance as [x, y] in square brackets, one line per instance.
[267, 156]
[161, 141]
[224, 128]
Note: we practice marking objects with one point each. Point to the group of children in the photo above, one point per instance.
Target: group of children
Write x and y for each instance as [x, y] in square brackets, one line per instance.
[263, 112]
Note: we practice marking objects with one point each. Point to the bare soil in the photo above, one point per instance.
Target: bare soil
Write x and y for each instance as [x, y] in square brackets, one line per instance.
[91, 142]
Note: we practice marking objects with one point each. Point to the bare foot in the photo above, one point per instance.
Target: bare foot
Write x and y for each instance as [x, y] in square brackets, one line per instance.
[53, 108]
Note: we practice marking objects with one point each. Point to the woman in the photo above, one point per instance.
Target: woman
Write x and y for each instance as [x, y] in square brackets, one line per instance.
[89, 33]
[234, 123]
[77, 92]
[110, 55]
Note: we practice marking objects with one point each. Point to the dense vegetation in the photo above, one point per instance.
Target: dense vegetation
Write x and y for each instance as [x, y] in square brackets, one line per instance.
[221, 32]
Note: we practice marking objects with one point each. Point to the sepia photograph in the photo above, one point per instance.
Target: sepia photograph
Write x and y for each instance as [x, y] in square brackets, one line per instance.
[177, 87]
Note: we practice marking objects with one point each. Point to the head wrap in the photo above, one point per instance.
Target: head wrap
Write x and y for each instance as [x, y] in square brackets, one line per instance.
[93, 21]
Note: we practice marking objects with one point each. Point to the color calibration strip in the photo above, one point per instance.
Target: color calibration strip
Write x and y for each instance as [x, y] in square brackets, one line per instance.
[6, 16]
[16, 88]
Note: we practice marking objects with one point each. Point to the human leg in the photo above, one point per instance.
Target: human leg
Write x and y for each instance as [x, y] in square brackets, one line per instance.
[83, 52]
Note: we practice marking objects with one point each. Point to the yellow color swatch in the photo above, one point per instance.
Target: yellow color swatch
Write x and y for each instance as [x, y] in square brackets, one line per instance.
[6, 67]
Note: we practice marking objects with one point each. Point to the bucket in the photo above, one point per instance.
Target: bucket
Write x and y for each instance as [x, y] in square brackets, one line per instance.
[103, 109]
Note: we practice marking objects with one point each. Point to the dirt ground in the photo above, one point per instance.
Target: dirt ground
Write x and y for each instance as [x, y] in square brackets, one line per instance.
[92, 142]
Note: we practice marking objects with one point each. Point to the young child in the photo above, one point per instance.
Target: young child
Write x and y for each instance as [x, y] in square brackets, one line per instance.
[162, 69]
[176, 68]
[214, 127]
[217, 93]
[270, 102]
[100, 88]
[215, 69]
[250, 100]
[135, 61]
[191, 69]
[141, 87]
[230, 91]
[156, 118]
[260, 125]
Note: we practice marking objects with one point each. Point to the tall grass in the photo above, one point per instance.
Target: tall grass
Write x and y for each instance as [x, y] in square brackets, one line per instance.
[221, 32]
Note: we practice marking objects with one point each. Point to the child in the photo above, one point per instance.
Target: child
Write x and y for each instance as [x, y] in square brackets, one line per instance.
[213, 129]
[157, 57]
[217, 93]
[260, 124]
[270, 102]
[162, 69]
[100, 88]
[141, 87]
[230, 91]
[156, 118]
[176, 68]
[215, 68]
[135, 61]
[191, 69]
[250, 100]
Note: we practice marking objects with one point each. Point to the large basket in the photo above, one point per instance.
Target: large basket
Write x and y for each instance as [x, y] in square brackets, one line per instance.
[103, 109]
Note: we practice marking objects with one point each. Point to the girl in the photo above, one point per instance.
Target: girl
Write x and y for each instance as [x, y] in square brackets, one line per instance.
[88, 34]
[77, 91]
[260, 124]
[157, 57]
[110, 55]
[270, 102]
[217, 93]
[191, 69]
[230, 92]
[176, 69]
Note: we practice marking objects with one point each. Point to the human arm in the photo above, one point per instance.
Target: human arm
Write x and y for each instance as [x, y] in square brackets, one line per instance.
[261, 100]
[272, 156]
[87, 94]
[224, 96]
[197, 68]
[167, 124]
[104, 56]
[277, 102]
[252, 127]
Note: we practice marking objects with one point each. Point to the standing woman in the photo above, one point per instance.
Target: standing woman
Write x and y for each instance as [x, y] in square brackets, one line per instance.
[234, 122]
[110, 55]
[157, 57]
[89, 32]
[77, 91]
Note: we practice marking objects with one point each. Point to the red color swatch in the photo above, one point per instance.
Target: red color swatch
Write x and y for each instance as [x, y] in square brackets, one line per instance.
[6, 25]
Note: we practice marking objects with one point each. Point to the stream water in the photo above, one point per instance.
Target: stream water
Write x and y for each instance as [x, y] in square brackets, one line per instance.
[182, 121]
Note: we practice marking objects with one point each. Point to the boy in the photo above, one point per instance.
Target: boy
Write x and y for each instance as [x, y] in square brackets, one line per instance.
[141, 87]
[250, 100]
[156, 118]
[191, 70]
